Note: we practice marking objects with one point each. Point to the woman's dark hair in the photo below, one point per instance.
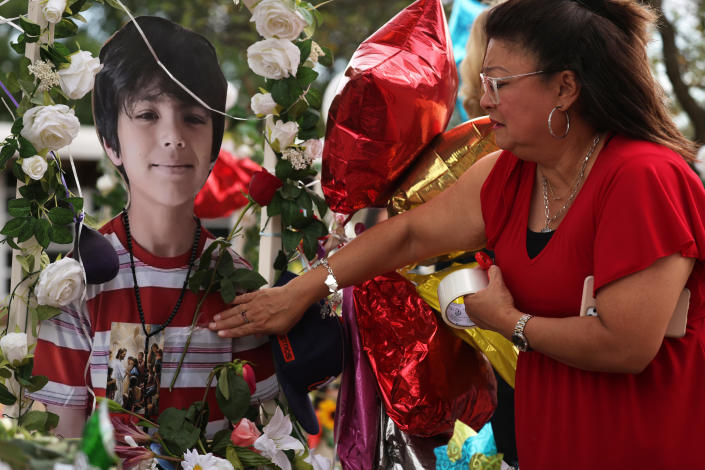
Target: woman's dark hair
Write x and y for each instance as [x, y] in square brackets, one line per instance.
[130, 73]
[604, 43]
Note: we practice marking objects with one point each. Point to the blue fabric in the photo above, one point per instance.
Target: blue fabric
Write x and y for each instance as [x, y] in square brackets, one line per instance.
[461, 18]
[482, 443]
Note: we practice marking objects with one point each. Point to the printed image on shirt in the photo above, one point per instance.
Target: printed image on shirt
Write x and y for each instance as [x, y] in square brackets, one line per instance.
[133, 379]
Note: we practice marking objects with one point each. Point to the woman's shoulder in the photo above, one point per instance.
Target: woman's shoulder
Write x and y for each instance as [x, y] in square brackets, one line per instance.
[626, 152]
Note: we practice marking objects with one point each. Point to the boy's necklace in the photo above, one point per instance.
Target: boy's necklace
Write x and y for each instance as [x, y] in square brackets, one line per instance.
[192, 258]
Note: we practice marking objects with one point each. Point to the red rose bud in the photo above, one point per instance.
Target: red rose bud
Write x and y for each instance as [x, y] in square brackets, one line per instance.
[263, 185]
[248, 373]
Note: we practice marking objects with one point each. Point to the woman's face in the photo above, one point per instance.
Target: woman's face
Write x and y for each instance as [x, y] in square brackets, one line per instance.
[519, 117]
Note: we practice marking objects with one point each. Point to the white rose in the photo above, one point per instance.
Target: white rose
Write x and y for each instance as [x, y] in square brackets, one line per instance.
[4, 466]
[313, 149]
[60, 283]
[53, 10]
[77, 79]
[14, 346]
[34, 167]
[274, 19]
[50, 127]
[274, 58]
[105, 184]
[263, 103]
[281, 134]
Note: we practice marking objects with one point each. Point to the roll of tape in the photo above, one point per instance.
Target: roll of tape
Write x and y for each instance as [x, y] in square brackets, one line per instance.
[457, 284]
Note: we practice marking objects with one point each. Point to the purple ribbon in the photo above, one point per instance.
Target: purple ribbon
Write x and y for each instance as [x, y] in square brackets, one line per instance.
[7, 92]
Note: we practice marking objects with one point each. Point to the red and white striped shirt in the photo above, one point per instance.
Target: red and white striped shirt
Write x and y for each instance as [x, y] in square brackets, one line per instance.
[80, 337]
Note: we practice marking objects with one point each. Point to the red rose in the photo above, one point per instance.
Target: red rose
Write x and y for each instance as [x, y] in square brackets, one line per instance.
[245, 433]
[263, 185]
[248, 373]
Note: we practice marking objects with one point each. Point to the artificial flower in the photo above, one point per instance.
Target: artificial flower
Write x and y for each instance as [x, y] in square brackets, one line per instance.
[45, 73]
[263, 103]
[274, 58]
[34, 167]
[280, 134]
[248, 373]
[326, 413]
[263, 185]
[318, 462]
[14, 346]
[124, 430]
[277, 19]
[4, 466]
[60, 283]
[316, 52]
[77, 79]
[277, 438]
[105, 183]
[297, 158]
[50, 127]
[195, 461]
[313, 149]
[135, 456]
[245, 433]
[53, 10]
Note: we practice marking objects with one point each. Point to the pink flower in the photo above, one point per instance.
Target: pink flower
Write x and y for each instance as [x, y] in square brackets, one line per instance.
[132, 456]
[123, 429]
[248, 373]
[245, 433]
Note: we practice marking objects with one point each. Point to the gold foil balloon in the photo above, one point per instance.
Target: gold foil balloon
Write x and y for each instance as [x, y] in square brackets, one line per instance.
[442, 162]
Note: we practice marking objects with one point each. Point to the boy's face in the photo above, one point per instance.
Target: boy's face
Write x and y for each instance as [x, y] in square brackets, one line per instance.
[165, 147]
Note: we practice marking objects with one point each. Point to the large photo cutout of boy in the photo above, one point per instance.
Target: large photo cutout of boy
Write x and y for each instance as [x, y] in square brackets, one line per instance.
[133, 376]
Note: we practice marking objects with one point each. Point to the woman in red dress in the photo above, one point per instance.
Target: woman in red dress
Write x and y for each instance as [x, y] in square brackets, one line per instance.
[593, 180]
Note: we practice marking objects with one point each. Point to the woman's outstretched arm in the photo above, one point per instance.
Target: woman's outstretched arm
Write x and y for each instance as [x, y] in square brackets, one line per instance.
[451, 221]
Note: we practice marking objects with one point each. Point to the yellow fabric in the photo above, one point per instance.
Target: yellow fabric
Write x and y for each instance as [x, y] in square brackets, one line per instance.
[499, 350]
[461, 433]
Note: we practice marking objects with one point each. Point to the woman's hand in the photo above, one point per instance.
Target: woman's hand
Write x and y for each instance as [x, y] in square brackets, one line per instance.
[493, 307]
[267, 311]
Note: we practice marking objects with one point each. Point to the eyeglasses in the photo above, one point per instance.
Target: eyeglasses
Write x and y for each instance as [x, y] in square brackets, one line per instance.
[489, 84]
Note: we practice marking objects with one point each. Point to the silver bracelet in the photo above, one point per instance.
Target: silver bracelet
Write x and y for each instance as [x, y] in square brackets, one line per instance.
[331, 280]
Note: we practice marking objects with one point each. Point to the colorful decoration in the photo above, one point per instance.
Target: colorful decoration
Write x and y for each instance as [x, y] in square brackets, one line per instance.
[398, 93]
[468, 449]
[427, 377]
[442, 162]
[225, 188]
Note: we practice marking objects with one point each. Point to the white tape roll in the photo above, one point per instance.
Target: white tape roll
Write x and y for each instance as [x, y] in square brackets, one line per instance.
[457, 284]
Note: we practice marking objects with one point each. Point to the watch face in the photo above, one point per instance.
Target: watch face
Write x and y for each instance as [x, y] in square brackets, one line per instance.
[520, 342]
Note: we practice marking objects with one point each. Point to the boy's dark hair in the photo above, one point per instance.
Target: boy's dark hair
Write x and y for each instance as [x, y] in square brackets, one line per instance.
[130, 73]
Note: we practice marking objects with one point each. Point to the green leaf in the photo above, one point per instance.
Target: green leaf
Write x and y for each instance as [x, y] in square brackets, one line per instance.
[178, 433]
[315, 229]
[13, 227]
[18, 125]
[77, 203]
[61, 234]
[225, 265]
[304, 202]
[20, 44]
[19, 207]
[320, 204]
[314, 98]
[26, 148]
[286, 91]
[65, 28]
[234, 407]
[283, 169]
[6, 153]
[247, 279]
[227, 290]
[306, 76]
[27, 230]
[6, 397]
[290, 240]
[29, 27]
[250, 458]
[60, 216]
[309, 120]
[197, 279]
[223, 383]
[231, 456]
[296, 110]
[37, 383]
[327, 59]
[275, 207]
[305, 49]
[221, 441]
[46, 312]
[310, 245]
[26, 262]
[43, 232]
[290, 191]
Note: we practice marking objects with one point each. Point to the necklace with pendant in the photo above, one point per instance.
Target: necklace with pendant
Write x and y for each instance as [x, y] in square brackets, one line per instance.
[192, 258]
[573, 192]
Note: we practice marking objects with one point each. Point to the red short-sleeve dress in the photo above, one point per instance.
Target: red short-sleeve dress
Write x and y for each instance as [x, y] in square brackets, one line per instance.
[640, 202]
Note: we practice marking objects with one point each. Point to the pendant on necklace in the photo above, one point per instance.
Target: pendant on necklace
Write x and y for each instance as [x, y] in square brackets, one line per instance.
[546, 229]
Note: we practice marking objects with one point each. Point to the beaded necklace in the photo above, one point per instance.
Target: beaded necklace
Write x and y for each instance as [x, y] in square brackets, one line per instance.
[192, 258]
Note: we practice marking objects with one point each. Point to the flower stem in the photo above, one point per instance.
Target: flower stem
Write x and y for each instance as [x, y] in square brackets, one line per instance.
[221, 251]
[12, 296]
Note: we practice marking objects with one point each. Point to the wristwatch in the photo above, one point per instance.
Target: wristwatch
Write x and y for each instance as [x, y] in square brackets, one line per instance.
[518, 337]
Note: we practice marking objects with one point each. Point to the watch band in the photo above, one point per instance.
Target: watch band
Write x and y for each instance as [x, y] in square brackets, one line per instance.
[518, 337]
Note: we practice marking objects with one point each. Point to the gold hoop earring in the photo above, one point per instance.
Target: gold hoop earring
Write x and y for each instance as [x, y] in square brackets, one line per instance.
[550, 127]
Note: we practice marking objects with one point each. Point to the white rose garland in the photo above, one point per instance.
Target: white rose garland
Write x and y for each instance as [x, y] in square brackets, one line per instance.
[60, 283]
[274, 19]
[281, 134]
[53, 10]
[77, 79]
[263, 104]
[274, 58]
[14, 346]
[50, 127]
[35, 167]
